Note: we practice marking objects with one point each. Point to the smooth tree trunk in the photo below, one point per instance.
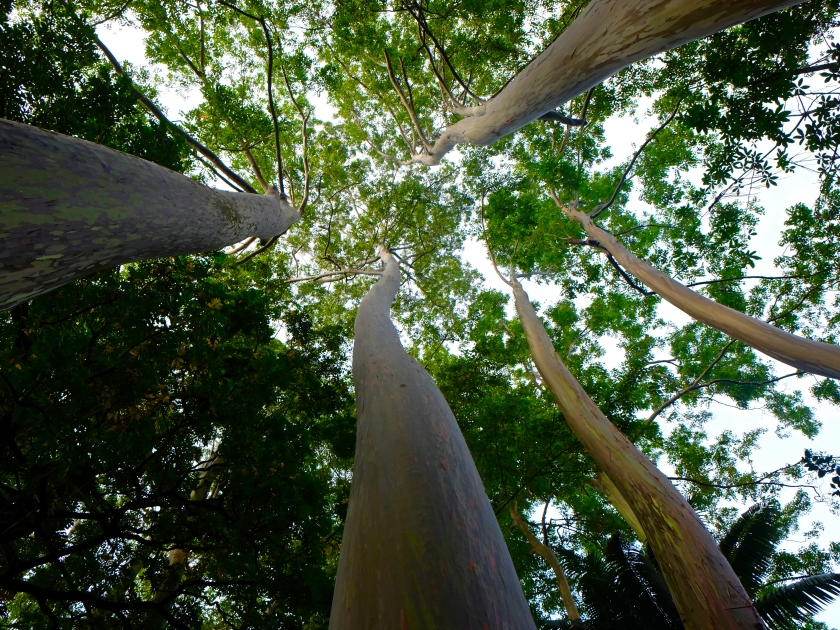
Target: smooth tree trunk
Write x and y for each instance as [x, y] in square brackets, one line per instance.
[705, 589]
[608, 36]
[804, 354]
[421, 547]
[547, 554]
[69, 207]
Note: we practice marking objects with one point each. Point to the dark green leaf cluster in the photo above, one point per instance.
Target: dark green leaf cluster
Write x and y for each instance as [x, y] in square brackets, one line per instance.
[52, 77]
[120, 393]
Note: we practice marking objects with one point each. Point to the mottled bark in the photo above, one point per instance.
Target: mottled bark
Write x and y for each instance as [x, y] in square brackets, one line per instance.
[706, 590]
[547, 554]
[422, 548]
[609, 35]
[70, 207]
[804, 354]
[603, 483]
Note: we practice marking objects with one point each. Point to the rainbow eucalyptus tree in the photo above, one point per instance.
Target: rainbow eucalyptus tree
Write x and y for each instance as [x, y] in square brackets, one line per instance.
[421, 545]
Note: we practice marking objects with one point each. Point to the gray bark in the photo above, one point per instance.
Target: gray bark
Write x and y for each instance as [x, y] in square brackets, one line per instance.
[608, 36]
[69, 207]
[422, 548]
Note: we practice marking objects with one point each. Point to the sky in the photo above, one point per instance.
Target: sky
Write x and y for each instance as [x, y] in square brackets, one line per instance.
[624, 135]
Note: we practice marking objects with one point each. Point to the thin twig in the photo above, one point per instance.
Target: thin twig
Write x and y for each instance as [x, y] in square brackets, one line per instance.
[691, 387]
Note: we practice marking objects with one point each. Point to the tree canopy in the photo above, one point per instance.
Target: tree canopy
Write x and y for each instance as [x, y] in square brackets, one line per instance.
[179, 432]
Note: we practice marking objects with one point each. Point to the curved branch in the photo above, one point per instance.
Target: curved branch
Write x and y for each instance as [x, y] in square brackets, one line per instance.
[195, 144]
[547, 554]
[801, 353]
[603, 207]
[338, 272]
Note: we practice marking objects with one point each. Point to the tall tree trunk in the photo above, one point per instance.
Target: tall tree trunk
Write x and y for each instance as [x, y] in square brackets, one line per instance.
[70, 207]
[422, 548]
[705, 588]
[547, 554]
[609, 35]
[808, 355]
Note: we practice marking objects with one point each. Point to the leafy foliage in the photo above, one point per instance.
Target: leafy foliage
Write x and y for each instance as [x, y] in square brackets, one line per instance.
[141, 388]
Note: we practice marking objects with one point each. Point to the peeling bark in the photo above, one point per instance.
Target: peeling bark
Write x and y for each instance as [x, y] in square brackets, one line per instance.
[608, 36]
[69, 207]
[422, 548]
[706, 590]
[804, 354]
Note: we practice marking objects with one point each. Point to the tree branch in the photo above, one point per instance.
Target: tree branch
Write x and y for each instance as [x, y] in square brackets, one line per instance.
[547, 554]
[601, 208]
[692, 386]
[271, 108]
[195, 144]
[408, 106]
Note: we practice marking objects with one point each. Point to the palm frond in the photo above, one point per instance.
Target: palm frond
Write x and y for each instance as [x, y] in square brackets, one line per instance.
[786, 607]
[647, 569]
[750, 543]
[636, 589]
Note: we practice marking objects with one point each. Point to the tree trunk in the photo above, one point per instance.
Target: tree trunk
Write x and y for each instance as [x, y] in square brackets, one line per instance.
[608, 36]
[547, 554]
[705, 588]
[804, 354]
[422, 548]
[69, 207]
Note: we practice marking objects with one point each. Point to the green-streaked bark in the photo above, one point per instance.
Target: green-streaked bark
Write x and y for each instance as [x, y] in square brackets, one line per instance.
[69, 207]
[706, 590]
[422, 548]
[605, 485]
[609, 35]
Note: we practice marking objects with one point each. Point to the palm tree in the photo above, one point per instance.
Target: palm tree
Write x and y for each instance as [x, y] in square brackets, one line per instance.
[623, 587]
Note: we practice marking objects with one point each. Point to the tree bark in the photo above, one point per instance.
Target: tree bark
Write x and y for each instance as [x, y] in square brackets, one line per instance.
[547, 554]
[706, 590]
[804, 354]
[69, 207]
[602, 482]
[422, 548]
[608, 36]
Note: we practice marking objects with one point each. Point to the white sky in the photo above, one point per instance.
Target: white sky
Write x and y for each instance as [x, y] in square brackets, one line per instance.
[624, 134]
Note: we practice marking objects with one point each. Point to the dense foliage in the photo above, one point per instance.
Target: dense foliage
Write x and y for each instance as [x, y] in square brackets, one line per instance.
[178, 434]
